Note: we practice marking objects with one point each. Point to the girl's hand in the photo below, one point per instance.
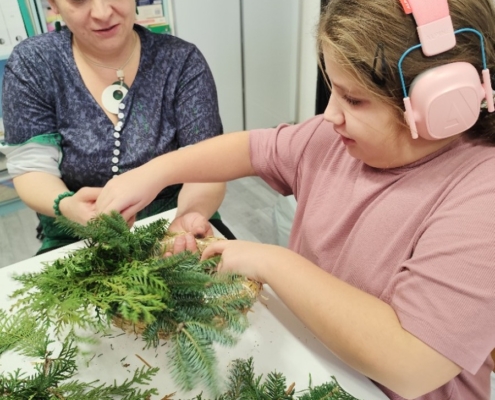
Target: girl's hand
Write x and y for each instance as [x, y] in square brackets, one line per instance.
[244, 258]
[128, 193]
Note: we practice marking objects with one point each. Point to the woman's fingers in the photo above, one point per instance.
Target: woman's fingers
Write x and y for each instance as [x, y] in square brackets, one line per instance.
[89, 193]
[185, 242]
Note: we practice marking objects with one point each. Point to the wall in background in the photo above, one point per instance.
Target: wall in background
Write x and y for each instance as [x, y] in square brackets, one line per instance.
[2, 69]
[308, 67]
[215, 27]
[262, 55]
[271, 54]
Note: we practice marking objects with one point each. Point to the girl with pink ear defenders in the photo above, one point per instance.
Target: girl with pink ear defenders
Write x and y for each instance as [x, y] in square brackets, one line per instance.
[391, 258]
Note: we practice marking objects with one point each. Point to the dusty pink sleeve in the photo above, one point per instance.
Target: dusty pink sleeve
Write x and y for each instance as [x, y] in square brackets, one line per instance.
[454, 259]
[276, 153]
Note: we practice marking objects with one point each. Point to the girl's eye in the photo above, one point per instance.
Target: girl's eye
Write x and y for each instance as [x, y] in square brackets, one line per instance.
[351, 101]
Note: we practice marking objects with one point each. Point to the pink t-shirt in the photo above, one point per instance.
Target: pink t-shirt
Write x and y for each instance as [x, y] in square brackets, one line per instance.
[419, 237]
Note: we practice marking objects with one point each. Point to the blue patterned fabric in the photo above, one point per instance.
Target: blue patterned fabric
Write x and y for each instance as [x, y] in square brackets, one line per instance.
[172, 103]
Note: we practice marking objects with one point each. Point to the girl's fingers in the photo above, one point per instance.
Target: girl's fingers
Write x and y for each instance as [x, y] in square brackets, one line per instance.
[214, 249]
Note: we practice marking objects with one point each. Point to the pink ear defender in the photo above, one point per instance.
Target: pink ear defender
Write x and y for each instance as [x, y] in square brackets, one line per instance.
[446, 100]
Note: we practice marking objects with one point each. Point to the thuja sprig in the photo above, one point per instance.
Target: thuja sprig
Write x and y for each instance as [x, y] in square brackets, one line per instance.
[121, 274]
[65, 293]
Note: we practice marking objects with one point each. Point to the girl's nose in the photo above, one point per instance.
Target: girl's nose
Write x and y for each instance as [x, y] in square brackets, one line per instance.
[334, 113]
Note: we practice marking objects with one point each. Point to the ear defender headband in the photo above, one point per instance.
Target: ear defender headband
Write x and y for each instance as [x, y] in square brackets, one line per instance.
[446, 100]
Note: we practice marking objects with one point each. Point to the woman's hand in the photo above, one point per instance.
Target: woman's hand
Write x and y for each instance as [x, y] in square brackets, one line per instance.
[194, 225]
[129, 193]
[81, 207]
[192, 222]
[245, 258]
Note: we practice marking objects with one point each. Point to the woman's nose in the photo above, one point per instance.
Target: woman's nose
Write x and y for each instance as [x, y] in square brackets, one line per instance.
[334, 113]
[101, 9]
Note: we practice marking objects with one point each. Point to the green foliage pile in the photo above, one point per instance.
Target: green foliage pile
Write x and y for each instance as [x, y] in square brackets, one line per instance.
[243, 384]
[52, 377]
[121, 273]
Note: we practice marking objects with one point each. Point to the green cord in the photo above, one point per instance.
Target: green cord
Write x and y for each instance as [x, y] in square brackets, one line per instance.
[56, 203]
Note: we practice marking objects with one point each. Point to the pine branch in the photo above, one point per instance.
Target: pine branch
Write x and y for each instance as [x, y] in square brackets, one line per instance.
[243, 384]
[275, 387]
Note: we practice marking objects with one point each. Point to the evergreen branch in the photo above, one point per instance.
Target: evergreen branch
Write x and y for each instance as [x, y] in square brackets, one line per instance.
[194, 359]
[120, 274]
[243, 384]
[125, 391]
[214, 333]
[276, 387]
[22, 333]
[179, 363]
[52, 377]
[210, 264]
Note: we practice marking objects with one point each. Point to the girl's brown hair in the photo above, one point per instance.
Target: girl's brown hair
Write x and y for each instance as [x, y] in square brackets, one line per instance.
[354, 30]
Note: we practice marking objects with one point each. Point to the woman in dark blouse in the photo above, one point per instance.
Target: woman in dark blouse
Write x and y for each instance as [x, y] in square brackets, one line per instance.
[99, 98]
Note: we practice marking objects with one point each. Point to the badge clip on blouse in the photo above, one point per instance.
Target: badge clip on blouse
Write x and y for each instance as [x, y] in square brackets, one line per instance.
[446, 100]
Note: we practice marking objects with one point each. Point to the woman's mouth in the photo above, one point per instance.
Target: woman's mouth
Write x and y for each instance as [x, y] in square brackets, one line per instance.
[106, 31]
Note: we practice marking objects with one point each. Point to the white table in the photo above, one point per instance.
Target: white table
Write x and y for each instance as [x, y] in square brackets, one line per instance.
[276, 340]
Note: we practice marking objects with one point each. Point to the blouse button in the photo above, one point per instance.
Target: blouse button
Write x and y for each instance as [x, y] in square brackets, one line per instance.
[118, 128]
[115, 169]
[115, 160]
[116, 152]
[121, 115]
[117, 143]
[116, 135]
[120, 123]
[121, 106]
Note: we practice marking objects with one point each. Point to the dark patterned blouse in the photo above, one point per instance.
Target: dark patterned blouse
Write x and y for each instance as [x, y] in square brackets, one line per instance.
[172, 103]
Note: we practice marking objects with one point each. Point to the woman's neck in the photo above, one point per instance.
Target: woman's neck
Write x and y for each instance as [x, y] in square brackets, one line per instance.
[114, 58]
